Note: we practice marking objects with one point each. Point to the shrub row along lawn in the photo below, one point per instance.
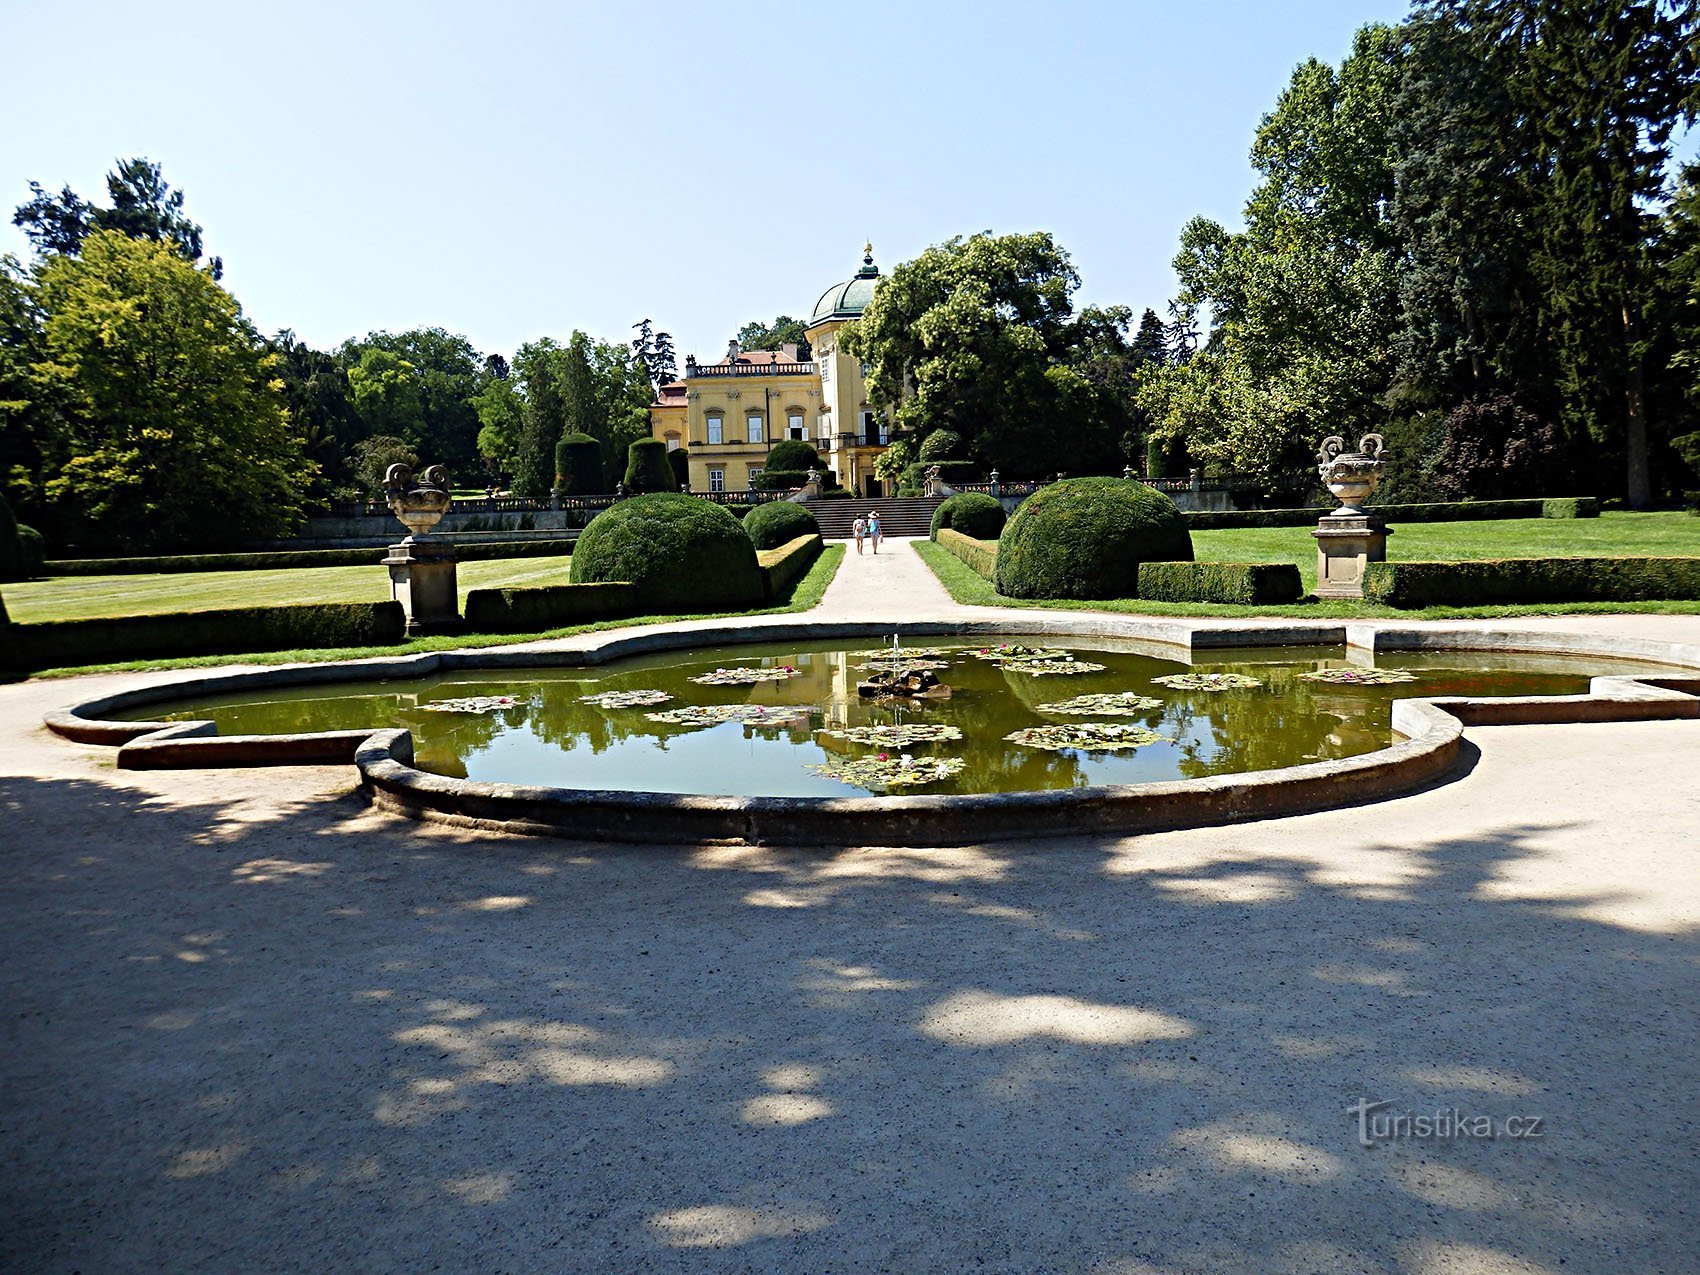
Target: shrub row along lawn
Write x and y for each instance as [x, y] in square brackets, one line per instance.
[90, 597]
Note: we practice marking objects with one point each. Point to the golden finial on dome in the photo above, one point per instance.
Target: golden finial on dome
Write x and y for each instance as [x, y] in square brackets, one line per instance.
[868, 253]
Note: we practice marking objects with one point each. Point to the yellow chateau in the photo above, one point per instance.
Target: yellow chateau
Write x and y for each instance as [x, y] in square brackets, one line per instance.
[730, 413]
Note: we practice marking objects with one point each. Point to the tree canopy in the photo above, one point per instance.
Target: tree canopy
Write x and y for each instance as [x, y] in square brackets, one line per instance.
[980, 336]
[143, 206]
[756, 335]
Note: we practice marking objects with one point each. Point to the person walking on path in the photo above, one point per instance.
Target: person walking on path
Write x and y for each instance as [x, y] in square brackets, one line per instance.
[874, 529]
[860, 528]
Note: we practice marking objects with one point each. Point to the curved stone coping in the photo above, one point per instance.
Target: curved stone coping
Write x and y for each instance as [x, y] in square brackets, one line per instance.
[1430, 750]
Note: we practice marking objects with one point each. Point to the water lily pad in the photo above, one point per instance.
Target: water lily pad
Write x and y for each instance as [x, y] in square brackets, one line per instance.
[1010, 651]
[1090, 736]
[899, 736]
[625, 699]
[744, 676]
[1358, 676]
[1051, 668]
[1114, 704]
[749, 714]
[1207, 682]
[472, 704]
[879, 771]
[904, 652]
[903, 666]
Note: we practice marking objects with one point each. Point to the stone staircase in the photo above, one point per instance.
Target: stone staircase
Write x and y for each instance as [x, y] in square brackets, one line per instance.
[898, 517]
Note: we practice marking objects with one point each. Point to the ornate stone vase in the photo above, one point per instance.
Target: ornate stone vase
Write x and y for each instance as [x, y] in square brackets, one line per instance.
[421, 506]
[1351, 476]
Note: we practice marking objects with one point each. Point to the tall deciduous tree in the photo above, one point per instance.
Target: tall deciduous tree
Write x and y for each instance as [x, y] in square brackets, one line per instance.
[980, 336]
[174, 428]
[756, 335]
[434, 410]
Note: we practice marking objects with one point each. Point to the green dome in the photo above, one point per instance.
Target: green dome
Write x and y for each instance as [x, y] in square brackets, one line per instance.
[848, 299]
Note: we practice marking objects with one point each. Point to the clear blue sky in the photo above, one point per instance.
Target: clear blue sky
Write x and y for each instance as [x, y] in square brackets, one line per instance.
[510, 171]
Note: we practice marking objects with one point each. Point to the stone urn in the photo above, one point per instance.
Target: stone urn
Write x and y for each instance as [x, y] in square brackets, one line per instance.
[1351, 476]
[419, 506]
[1349, 540]
[422, 569]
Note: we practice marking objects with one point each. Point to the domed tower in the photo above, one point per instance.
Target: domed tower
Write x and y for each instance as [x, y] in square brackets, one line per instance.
[852, 434]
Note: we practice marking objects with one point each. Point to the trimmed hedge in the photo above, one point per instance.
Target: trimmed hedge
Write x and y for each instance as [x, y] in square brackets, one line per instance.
[1432, 511]
[578, 465]
[684, 554]
[782, 567]
[779, 522]
[680, 459]
[1084, 538]
[973, 514]
[237, 631]
[980, 555]
[940, 445]
[794, 453]
[1246, 583]
[647, 468]
[281, 559]
[552, 606]
[784, 479]
[1514, 580]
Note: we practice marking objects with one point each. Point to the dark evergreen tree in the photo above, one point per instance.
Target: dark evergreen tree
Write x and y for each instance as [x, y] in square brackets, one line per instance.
[143, 206]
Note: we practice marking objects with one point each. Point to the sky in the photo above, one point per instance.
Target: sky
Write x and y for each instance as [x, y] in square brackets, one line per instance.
[512, 171]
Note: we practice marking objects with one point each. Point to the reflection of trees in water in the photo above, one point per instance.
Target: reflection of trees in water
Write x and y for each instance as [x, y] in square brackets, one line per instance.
[1283, 723]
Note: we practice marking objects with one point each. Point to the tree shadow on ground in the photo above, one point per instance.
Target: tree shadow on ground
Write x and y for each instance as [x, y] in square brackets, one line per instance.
[324, 1038]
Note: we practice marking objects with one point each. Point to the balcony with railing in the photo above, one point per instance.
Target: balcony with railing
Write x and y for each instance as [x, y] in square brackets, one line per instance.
[695, 370]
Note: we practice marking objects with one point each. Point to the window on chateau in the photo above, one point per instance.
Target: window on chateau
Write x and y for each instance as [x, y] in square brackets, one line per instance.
[754, 470]
[794, 427]
[754, 425]
[823, 431]
[717, 480]
[672, 442]
[714, 429]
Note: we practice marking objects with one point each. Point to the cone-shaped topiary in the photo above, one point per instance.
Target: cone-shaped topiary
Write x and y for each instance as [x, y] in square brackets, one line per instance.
[1085, 538]
[971, 513]
[578, 465]
[793, 453]
[683, 554]
[647, 470]
[680, 460]
[779, 522]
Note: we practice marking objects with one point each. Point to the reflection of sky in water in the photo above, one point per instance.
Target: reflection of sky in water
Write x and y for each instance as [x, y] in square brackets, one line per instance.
[549, 739]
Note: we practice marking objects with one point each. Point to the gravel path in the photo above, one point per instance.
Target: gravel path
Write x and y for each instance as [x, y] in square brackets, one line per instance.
[252, 1025]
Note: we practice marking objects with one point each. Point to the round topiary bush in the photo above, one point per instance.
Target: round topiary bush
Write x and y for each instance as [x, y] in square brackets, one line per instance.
[1085, 538]
[779, 522]
[647, 469]
[578, 465]
[970, 513]
[941, 444]
[793, 453]
[684, 554]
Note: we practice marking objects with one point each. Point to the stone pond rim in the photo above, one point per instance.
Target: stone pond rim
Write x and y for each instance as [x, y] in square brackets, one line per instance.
[1432, 750]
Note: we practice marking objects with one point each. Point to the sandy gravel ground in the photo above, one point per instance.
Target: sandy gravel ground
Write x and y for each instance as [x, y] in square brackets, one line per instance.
[252, 1025]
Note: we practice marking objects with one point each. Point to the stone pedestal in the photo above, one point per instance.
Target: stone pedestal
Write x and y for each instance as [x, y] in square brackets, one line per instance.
[422, 579]
[1346, 543]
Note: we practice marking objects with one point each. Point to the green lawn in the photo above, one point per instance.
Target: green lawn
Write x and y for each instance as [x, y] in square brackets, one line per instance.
[1655, 535]
[86, 597]
[1612, 534]
[805, 594]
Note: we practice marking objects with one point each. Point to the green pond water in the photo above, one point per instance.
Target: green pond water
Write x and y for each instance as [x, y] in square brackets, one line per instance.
[545, 735]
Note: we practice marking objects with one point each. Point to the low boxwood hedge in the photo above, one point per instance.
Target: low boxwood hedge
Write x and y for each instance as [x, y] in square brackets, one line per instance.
[972, 513]
[236, 631]
[544, 607]
[782, 479]
[980, 555]
[684, 554]
[779, 522]
[282, 559]
[1518, 580]
[1246, 583]
[786, 564]
[1433, 511]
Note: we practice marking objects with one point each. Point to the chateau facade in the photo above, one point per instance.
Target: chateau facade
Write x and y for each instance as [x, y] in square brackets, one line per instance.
[729, 414]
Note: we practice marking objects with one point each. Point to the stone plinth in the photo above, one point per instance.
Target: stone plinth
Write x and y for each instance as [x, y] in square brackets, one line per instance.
[422, 579]
[1346, 543]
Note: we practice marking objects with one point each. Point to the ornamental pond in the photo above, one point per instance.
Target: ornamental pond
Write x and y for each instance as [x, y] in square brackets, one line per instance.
[788, 720]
